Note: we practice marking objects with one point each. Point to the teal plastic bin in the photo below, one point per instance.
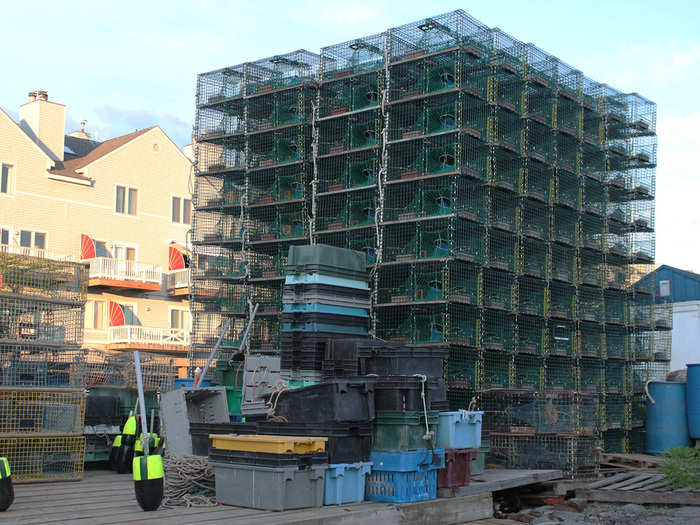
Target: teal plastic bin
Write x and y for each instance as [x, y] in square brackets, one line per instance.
[459, 429]
[345, 483]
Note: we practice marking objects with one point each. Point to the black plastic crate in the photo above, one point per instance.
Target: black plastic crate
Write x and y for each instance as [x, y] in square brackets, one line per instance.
[102, 407]
[200, 434]
[340, 400]
[299, 293]
[346, 348]
[299, 318]
[403, 393]
[397, 360]
[266, 459]
[339, 368]
[347, 442]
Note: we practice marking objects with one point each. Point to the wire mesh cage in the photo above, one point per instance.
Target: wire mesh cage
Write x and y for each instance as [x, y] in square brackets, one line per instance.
[589, 303]
[561, 301]
[532, 295]
[217, 87]
[465, 368]
[502, 250]
[267, 262]
[642, 310]
[556, 413]
[636, 438]
[613, 411]
[590, 268]
[281, 71]
[559, 373]
[219, 191]
[617, 378]
[563, 338]
[662, 346]
[355, 56]
[33, 320]
[280, 185]
[499, 331]
[275, 223]
[341, 172]
[352, 132]
[642, 343]
[564, 225]
[529, 372]
[615, 442]
[594, 197]
[566, 189]
[226, 155]
[532, 335]
[577, 456]
[591, 375]
[500, 290]
[29, 276]
[534, 258]
[662, 312]
[287, 146]
[591, 232]
[562, 262]
[536, 181]
[503, 210]
[497, 369]
[533, 219]
[616, 307]
[504, 131]
[591, 340]
[44, 458]
[213, 124]
[46, 411]
[619, 275]
[536, 143]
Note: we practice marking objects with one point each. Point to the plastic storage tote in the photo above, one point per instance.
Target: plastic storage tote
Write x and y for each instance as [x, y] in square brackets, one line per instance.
[479, 463]
[403, 430]
[459, 429]
[347, 442]
[457, 471]
[341, 400]
[270, 444]
[345, 483]
[404, 476]
[267, 488]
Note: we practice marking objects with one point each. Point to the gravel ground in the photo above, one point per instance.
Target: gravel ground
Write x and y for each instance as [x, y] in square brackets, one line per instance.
[608, 514]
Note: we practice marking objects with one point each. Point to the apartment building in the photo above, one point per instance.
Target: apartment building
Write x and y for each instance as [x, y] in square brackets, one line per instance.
[123, 206]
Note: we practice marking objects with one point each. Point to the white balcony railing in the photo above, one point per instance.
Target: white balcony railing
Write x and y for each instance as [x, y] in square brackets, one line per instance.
[145, 335]
[177, 279]
[122, 270]
[34, 252]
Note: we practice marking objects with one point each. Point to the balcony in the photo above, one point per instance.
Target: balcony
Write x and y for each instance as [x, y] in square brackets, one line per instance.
[34, 252]
[133, 337]
[177, 282]
[121, 274]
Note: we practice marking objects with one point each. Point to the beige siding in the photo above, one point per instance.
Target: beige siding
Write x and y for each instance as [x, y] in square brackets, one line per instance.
[151, 163]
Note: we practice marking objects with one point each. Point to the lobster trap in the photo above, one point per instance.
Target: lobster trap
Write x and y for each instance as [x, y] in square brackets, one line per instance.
[44, 458]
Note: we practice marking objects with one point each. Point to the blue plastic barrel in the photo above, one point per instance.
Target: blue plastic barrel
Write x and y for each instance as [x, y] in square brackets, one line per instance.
[667, 422]
[693, 400]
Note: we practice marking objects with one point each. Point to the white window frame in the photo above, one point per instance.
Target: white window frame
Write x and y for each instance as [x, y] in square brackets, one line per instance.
[12, 175]
[113, 245]
[134, 307]
[10, 234]
[180, 309]
[181, 209]
[126, 213]
[32, 239]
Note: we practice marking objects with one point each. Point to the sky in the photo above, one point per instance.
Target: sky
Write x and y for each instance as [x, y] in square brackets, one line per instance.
[128, 65]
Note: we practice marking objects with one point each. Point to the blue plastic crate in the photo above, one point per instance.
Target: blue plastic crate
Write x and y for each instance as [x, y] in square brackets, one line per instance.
[460, 429]
[323, 327]
[315, 278]
[407, 460]
[188, 382]
[345, 483]
[401, 487]
[320, 308]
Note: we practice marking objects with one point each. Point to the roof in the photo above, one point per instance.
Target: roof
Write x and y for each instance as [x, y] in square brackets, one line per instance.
[70, 168]
[683, 285]
[80, 146]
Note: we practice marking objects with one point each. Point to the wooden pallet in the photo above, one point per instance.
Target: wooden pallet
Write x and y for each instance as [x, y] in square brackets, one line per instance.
[637, 461]
[639, 486]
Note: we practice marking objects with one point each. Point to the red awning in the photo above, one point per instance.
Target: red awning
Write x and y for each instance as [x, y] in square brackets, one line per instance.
[178, 257]
[87, 247]
[116, 314]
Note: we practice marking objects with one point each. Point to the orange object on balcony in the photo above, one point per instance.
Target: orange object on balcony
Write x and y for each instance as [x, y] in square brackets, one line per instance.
[177, 280]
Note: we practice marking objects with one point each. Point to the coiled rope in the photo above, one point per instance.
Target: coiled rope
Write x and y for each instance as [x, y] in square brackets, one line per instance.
[189, 481]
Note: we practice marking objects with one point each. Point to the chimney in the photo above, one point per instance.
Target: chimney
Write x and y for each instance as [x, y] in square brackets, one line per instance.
[45, 122]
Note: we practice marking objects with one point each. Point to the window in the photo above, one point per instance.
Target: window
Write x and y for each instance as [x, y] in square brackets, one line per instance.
[186, 211]
[126, 200]
[176, 209]
[98, 315]
[5, 179]
[26, 236]
[124, 253]
[25, 239]
[182, 210]
[4, 237]
[179, 319]
[130, 314]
